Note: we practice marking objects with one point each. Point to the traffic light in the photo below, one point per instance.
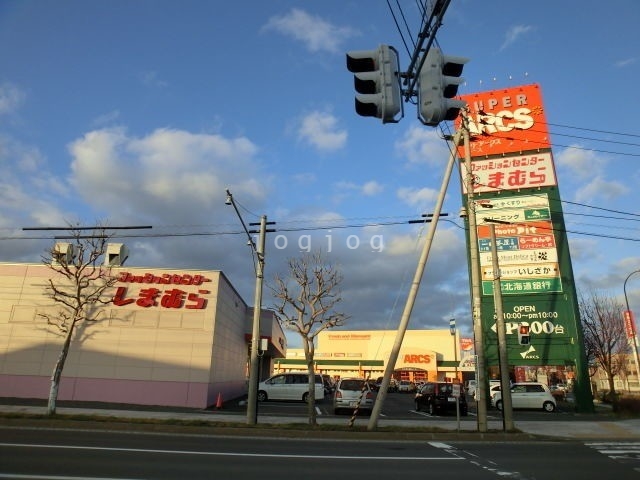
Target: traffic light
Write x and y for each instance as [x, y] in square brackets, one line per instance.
[524, 337]
[437, 85]
[377, 80]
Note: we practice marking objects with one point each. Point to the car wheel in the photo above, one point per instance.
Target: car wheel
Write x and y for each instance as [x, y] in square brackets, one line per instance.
[499, 405]
[262, 396]
[305, 397]
[548, 407]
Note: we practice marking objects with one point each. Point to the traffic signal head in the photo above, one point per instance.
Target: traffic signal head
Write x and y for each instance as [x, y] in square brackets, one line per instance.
[437, 85]
[377, 81]
[524, 337]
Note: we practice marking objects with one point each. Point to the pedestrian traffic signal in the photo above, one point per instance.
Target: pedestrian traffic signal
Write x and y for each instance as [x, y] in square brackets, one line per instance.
[377, 81]
[524, 337]
[437, 85]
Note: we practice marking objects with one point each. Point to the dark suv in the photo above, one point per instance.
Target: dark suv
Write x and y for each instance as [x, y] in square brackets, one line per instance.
[437, 397]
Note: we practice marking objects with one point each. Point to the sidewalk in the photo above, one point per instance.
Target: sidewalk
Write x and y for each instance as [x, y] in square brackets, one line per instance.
[591, 428]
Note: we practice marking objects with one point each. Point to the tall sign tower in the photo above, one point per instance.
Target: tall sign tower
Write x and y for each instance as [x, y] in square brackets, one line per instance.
[516, 188]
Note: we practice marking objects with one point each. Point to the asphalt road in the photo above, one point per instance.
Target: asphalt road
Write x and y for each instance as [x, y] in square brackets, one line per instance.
[45, 453]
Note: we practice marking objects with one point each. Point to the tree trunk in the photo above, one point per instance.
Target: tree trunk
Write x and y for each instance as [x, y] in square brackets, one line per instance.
[311, 404]
[57, 373]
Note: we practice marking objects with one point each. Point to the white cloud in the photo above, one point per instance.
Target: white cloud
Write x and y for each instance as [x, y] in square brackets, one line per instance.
[321, 130]
[579, 163]
[151, 79]
[372, 188]
[368, 189]
[514, 33]
[626, 62]
[316, 33]
[421, 146]
[168, 174]
[422, 198]
[602, 189]
[11, 97]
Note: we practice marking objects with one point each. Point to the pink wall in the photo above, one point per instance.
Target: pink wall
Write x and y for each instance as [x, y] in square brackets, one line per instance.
[177, 394]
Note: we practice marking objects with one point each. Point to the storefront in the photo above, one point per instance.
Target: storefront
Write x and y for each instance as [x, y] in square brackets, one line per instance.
[424, 355]
[167, 337]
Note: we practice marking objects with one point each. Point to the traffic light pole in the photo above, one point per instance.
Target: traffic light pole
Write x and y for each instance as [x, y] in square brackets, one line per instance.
[413, 292]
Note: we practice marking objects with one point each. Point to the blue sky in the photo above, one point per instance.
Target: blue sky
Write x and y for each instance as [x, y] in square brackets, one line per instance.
[144, 112]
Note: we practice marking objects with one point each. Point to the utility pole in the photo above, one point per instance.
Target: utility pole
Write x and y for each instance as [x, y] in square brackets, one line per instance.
[505, 381]
[254, 361]
[413, 292]
[254, 373]
[481, 380]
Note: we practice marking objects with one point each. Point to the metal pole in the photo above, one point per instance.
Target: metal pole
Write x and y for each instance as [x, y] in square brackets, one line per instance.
[631, 319]
[413, 292]
[452, 329]
[505, 381]
[481, 380]
[252, 398]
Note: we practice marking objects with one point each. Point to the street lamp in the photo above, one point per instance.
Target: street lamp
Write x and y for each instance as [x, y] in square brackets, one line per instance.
[258, 250]
[631, 325]
[452, 330]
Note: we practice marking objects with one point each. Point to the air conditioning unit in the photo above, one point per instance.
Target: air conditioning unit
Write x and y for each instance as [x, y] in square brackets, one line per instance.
[62, 253]
[116, 254]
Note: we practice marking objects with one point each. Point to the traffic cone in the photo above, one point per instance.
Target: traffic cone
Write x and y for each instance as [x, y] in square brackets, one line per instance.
[219, 401]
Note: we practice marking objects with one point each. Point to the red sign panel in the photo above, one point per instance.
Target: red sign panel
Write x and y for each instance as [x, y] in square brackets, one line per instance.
[629, 324]
[506, 121]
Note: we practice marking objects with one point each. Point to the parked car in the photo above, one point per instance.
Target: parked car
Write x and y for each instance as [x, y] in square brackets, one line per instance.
[528, 395]
[406, 386]
[437, 397]
[352, 393]
[470, 387]
[494, 386]
[289, 386]
[559, 391]
[393, 384]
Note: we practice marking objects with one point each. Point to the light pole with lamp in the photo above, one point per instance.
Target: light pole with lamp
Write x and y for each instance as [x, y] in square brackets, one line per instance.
[452, 330]
[630, 325]
[254, 365]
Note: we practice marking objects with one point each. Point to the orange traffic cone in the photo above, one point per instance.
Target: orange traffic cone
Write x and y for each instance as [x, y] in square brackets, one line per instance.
[219, 401]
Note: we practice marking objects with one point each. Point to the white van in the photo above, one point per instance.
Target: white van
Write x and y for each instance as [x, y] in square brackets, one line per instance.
[289, 386]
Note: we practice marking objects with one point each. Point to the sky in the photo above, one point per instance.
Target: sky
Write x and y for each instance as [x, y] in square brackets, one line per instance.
[144, 113]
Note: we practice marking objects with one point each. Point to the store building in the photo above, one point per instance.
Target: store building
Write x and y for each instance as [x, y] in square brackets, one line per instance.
[168, 337]
[425, 355]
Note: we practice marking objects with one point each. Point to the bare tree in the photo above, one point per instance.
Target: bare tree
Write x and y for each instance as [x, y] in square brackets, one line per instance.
[604, 335]
[305, 302]
[77, 287]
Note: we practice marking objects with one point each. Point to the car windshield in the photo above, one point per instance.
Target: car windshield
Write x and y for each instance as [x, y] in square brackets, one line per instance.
[352, 385]
[446, 388]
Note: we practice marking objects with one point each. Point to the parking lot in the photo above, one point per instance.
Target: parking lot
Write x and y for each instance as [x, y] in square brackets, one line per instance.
[398, 406]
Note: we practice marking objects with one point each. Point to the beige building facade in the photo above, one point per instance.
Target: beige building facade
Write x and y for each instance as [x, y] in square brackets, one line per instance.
[425, 355]
[167, 337]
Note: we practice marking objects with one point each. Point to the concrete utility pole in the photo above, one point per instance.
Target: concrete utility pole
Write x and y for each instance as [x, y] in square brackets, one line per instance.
[505, 381]
[481, 379]
[254, 370]
[413, 292]
[254, 362]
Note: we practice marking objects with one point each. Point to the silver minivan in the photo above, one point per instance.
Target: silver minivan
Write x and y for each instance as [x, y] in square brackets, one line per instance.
[289, 386]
